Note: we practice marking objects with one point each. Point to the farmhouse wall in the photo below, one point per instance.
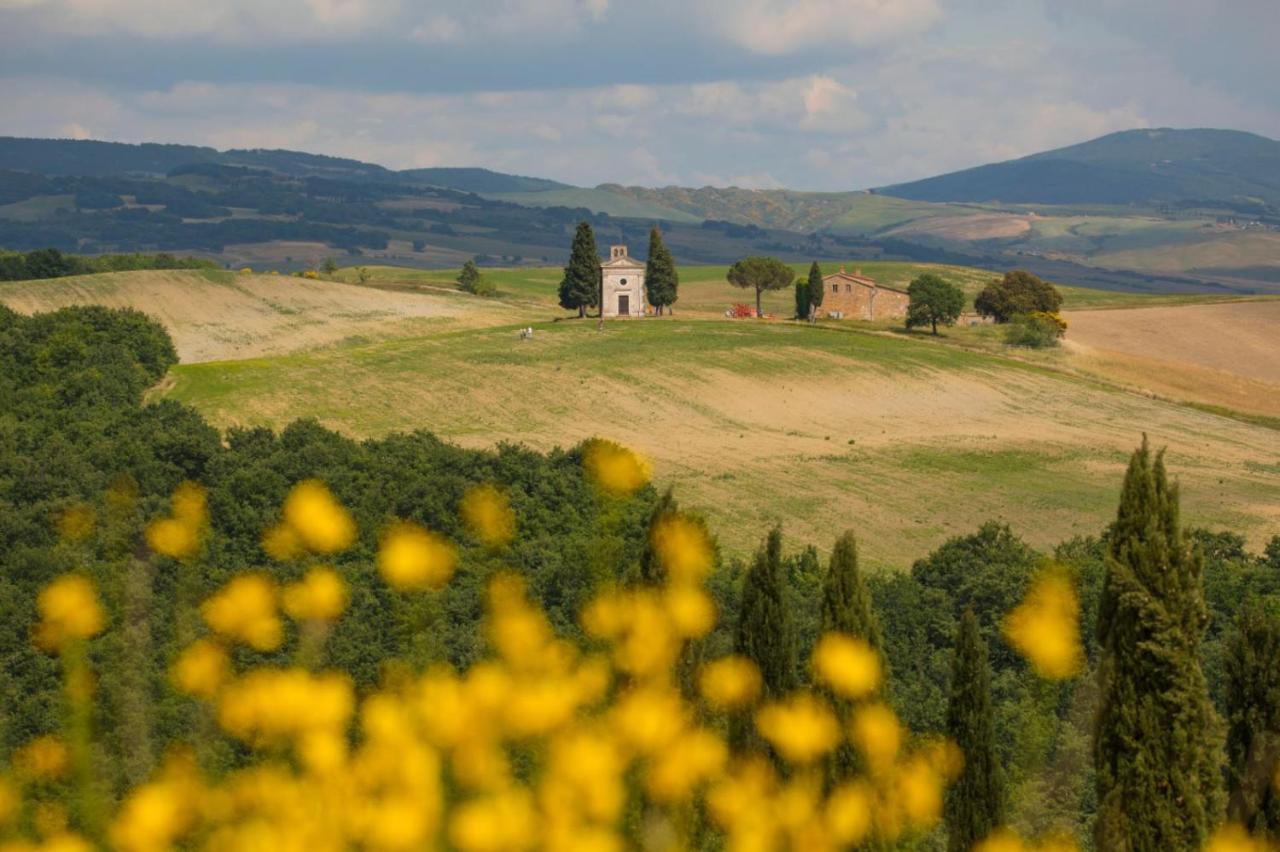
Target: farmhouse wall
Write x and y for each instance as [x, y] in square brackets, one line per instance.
[859, 297]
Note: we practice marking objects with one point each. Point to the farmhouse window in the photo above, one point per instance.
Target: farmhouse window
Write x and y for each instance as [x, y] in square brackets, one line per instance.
[848, 288]
[835, 288]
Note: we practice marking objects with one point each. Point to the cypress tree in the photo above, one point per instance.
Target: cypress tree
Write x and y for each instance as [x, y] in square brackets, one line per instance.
[816, 290]
[580, 288]
[1156, 742]
[650, 569]
[1253, 720]
[661, 281]
[802, 300]
[975, 803]
[846, 608]
[766, 635]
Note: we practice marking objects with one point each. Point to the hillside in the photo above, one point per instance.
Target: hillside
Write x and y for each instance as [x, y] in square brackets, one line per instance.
[916, 439]
[1143, 167]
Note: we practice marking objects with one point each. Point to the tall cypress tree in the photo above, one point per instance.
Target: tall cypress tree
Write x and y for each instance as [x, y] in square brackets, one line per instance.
[580, 288]
[766, 634]
[816, 288]
[846, 608]
[802, 300]
[1253, 720]
[661, 281]
[1157, 747]
[975, 803]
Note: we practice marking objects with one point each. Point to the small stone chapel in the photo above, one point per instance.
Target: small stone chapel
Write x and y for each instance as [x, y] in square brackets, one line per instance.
[623, 278]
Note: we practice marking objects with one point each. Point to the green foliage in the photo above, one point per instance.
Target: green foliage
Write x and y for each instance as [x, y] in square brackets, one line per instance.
[816, 290]
[1253, 720]
[661, 281]
[1032, 331]
[329, 266]
[760, 274]
[1271, 556]
[471, 281]
[933, 300]
[766, 632]
[1018, 292]
[975, 801]
[51, 263]
[1157, 743]
[803, 306]
[580, 287]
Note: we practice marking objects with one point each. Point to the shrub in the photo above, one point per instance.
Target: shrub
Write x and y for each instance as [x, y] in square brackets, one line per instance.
[1019, 292]
[1034, 331]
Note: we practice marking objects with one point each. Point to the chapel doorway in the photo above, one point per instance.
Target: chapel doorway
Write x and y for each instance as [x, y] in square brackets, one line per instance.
[624, 305]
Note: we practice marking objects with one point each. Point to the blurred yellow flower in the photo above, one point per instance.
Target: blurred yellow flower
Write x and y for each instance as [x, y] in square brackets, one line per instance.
[848, 814]
[319, 520]
[245, 611]
[65, 842]
[487, 514]
[43, 759]
[1045, 627]
[320, 595]
[729, 682]
[613, 468]
[506, 821]
[878, 735]
[801, 729]
[178, 536]
[201, 669]
[690, 610]
[69, 610]
[412, 558]
[282, 543]
[696, 757]
[849, 666]
[683, 548]
[75, 524]
[1233, 838]
[154, 817]
[920, 789]
[267, 705]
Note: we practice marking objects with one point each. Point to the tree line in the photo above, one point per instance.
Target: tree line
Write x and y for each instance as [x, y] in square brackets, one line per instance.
[51, 263]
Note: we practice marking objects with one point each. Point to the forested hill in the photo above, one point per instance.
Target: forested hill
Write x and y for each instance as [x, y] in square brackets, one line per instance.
[1130, 167]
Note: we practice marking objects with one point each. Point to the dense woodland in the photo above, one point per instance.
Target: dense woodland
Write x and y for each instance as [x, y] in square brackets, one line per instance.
[74, 431]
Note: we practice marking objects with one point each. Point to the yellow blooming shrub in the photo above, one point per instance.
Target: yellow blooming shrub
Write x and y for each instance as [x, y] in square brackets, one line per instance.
[201, 669]
[802, 729]
[849, 666]
[411, 558]
[613, 468]
[729, 682]
[245, 611]
[1045, 627]
[320, 595]
[319, 520]
[69, 610]
[179, 534]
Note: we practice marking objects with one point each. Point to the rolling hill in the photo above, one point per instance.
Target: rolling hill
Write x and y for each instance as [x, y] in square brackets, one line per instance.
[1137, 167]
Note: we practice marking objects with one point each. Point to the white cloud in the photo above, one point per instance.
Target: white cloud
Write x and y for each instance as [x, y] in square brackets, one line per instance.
[787, 26]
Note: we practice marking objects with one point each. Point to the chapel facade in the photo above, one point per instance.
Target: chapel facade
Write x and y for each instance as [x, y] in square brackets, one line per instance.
[623, 277]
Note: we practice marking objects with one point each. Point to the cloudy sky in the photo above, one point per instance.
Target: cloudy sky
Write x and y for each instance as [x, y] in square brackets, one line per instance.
[810, 94]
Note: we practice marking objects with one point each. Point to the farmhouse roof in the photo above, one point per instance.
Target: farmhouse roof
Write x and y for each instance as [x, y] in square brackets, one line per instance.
[858, 278]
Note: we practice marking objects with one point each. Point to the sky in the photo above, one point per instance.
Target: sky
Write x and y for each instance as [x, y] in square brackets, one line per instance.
[807, 94]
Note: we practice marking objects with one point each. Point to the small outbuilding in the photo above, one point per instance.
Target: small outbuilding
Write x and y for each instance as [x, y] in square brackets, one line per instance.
[857, 296]
[623, 277]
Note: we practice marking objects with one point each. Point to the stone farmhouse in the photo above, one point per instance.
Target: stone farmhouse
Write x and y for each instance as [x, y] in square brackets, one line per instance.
[856, 296]
[623, 276]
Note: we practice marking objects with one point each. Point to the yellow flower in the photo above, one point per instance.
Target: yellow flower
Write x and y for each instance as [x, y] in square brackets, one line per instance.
[9, 802]
[690, 610]
[267, 705]
[412, 558]
[178, 536]
[849, 666]
[282, 543]
[75, 524]
[682, 547]
[43, 759]
[66, 842]
[487, 514]
[920, 790]
[848, 814]
[1045, 627]
[319, 596]
[801, 729]
[153, 817]
[69, 610]
[729, 682]
[1233, 838]
[613, 468]
[696, 757]
[506, 821]
[319, 520]
[877, 733]
[245, 610]
[201, 669]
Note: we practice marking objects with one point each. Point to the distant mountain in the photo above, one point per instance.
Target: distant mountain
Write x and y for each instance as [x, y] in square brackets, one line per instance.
[1131, 167]
[480, 181]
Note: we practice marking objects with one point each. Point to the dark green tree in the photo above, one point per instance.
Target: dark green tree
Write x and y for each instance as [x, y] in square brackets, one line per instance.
[1271, 555]
[1253, 720]
[329, 266]
[1157, 745]
[469, 277]
[975, 802]
[765, 632]
[661, 281]
[580, 288]
[846, 608]
[802, 300]
[816, 288]
[933, 301]
[1018, 293]
[760, 274]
